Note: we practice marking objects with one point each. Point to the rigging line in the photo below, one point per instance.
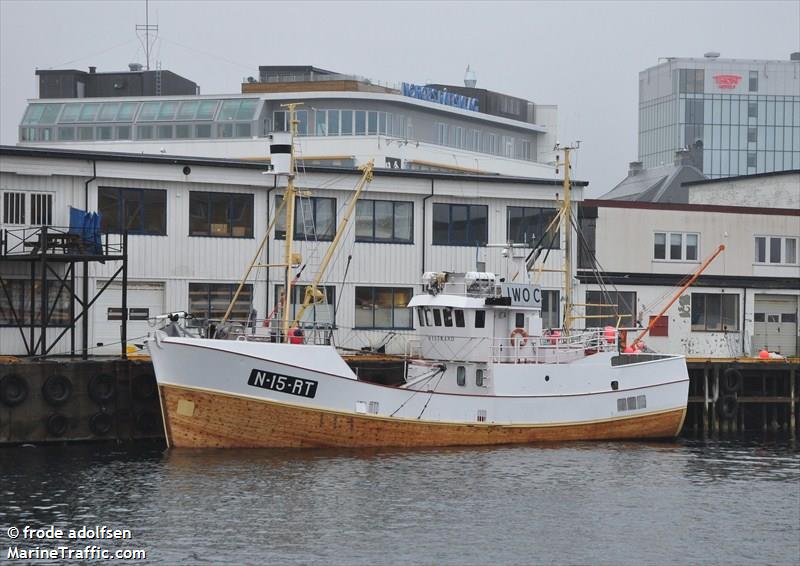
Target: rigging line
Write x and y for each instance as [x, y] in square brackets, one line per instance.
[346, 270]
[403, 404]
[210, 54]
[430, 396]
[96, 54]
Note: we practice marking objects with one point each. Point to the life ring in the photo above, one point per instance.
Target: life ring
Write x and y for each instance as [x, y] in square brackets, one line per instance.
[56, 390]
[727, 406]
[732, 380]
[13, 390]
[519, 332]
[100, 423]
[56, 424]
[144, 387]
[102, 388]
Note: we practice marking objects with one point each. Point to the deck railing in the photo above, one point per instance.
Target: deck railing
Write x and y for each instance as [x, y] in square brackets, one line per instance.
[553, 348]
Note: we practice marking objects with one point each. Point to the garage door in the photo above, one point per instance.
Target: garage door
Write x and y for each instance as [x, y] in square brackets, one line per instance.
[775, 324]
[145, 300]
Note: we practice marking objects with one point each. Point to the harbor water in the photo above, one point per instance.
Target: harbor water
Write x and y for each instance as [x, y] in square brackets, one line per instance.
[687, 502]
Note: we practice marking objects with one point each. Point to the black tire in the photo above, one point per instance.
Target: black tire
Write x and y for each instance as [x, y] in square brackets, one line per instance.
[57, 390]
[13, 390]
[101, 424]
[57, 425]
[727, 406]
[732, 380]
[147, 422]
[144, 387]
[102, 388]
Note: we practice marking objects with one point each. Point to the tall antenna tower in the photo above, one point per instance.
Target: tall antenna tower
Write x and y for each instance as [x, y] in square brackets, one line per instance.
[147, 30]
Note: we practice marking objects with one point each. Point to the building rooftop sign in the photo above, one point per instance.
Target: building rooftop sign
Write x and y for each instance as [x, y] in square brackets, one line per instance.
[727, 81]
[440, 96]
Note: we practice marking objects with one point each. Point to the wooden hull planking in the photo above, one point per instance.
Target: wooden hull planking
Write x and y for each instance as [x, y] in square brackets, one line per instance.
[196, 418]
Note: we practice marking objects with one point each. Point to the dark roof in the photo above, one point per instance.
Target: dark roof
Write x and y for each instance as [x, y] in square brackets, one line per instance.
[656, 184]
[739, 177]
[58, 153]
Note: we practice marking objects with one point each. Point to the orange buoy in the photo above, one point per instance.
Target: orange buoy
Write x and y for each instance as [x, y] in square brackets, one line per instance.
[628, 350]
[296, 335]
[763, 354]
[609, 333]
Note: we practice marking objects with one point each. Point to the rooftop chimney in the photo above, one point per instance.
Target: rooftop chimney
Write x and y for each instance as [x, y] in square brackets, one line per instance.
[470, 80]
[135, 67]
[683, 157]
[92, 70]
[634, 168]
[794, 56]
[711, 54]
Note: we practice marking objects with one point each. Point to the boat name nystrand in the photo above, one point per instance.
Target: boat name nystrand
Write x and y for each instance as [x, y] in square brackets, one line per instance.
[283, 383]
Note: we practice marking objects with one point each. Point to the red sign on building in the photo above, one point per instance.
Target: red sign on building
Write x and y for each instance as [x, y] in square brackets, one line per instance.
[727, 81]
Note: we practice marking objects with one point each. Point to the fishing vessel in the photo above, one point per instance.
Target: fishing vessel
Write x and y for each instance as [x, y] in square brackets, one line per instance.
[481, 370]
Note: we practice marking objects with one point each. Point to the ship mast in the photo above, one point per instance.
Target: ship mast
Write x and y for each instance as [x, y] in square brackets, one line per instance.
[289, 199]
[566, 226]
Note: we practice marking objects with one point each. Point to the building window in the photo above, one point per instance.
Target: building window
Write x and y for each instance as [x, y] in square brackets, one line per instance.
[527, 225]
[137, 211]
[383, 307]
[752, 134]
[441, 133]
[21, 295]
[480, 319]
[525, 150]
[41, 209]
[280, 119]
[210, 301]
[691, 80]
[508, 146]
[320, 311]
[715, 312]
[776, 249]
[661, 327]
[675, 246]
[611, 308]
[751, 159]
[551, 303]
[13, 208]
[753, 83]
[220, 214]
[752, 109]
[32, 209]
[460, 225]
[384, 221]
[314, 218]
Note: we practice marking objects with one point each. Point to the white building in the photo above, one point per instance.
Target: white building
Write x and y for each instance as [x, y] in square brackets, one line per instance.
[195, 223]
[746, 300]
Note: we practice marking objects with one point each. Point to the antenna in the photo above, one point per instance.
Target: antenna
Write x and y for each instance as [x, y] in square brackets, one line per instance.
[147, 29]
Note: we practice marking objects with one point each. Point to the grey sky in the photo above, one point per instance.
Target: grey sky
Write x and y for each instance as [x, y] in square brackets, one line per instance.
[583, 56]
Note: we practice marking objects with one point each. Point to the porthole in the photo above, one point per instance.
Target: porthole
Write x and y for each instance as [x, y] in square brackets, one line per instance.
[479, 377]
[461, 376]
[547, 378]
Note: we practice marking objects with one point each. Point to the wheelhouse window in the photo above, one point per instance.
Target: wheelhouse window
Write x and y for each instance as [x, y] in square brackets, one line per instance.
[610, 308]
[528, 225]
[220, 214]
[384, 221]
[460, 224]
[675, 246]
[21, 303]
[321, 311]
[384, 307]
[314, 218]
[715, 312]
[480, 319]
[210, 301]
[139, 211]
[776, 250]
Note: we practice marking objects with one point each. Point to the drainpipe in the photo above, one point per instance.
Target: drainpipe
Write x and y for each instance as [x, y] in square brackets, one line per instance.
[425, 227]
[86, 186]
[744, 319]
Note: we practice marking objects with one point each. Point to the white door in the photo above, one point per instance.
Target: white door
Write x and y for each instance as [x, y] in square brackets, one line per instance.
[775, 324]
[145, 300]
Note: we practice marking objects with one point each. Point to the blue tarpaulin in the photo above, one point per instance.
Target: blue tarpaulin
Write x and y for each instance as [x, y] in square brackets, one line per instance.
[87, 226]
